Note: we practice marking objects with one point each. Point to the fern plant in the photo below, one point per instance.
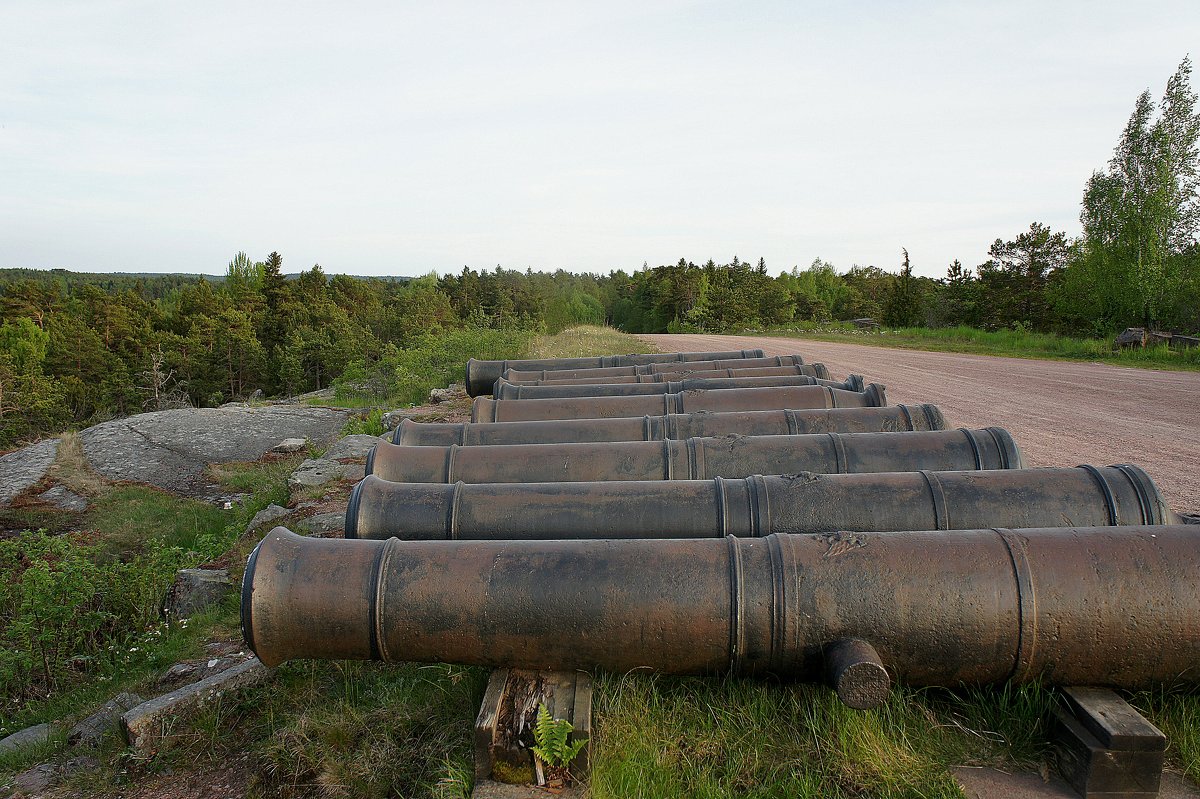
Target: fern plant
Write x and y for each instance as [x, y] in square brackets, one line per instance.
[552, 742]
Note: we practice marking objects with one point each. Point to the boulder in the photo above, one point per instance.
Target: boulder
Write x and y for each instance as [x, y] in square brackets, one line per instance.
[30, 736]
[170, 449]
[25, 468]
[267, 515]
[289, 445]
[194, 590]
[315, 472]
[91, 731]
[321, 523]
[391, 420]
[440, 395]
[145, 723]
[356, 446]
[64, 499]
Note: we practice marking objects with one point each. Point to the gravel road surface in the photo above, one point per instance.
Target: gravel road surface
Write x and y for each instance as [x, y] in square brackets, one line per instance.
[1061, 413]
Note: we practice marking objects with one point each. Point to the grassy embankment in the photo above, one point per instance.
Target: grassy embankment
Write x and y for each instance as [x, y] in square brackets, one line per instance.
[366, 729]
[1010, 343]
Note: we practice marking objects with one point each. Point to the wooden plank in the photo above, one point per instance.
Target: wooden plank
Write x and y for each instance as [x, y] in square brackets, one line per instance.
[504, 726]
[1114, 722]
[485, 722]
[1097, 772]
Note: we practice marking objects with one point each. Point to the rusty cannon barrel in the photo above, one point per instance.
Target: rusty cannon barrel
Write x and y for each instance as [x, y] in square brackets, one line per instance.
[579, 375]
[482, 375]
[723, 400]
[889, 419]
[809, 369]
[1071, 606]
[697, 458]
[757, 506]
[506, 390]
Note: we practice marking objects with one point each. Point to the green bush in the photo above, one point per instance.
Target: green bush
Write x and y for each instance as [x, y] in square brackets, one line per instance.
[66, 610]
[406, 376]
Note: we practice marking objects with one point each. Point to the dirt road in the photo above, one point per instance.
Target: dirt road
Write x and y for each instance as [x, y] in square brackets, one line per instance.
[1060, 413]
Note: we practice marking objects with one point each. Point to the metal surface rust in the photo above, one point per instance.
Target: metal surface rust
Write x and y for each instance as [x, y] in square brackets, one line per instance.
[757, 506]
[1071, 606]
[482, 375]
[889, 419]
[505, 390]
[809, 369]
[580, 375]
[485, 409]
[697, 458]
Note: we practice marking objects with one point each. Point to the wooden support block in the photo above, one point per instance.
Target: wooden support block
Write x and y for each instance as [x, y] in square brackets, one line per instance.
[504, 726]
[1106, 749]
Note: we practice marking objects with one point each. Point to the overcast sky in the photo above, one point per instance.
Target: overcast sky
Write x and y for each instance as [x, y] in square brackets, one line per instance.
[396, 138]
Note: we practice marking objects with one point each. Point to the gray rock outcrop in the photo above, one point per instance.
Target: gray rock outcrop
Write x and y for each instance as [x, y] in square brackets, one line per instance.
[267, 515]
[356, 446]
[321, 523]
[26, 467]
[64, 498]
[315, 472]
[194, 590]
[144, 724]
[91, 731]
[30, 736]
[170, 449]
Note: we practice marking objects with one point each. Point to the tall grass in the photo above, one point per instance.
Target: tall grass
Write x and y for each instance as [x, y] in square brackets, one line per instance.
[691, 737]
[587, 340]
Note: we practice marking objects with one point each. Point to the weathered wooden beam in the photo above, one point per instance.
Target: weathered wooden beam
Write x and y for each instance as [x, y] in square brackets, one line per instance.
[1106, 749]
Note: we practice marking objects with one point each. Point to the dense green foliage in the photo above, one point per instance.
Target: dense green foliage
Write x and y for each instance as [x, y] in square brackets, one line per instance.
[77, 349]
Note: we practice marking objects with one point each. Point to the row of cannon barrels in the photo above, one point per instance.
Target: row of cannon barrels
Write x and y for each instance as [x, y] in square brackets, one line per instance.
[807, 531]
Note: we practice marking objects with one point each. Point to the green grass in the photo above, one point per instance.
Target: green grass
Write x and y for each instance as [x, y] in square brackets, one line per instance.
[344, 729]
[1011, 343]
[586, 340]
[659, 736]
[128, 517]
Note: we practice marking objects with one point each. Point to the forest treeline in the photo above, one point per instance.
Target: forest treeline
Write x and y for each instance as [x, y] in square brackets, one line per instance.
[76, 349]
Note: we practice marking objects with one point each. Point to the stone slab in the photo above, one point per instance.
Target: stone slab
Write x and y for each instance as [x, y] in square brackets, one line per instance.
[147, 723]
[25, 468]
[170, 449]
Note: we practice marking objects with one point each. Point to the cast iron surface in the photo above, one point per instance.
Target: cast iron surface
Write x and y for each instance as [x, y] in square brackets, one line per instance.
[811, 370]
[485, 409]
[517, 375]
[505, 390]
[1074, 606]
[758, 506]
[482, 375]
[698, 458]
[892, 418]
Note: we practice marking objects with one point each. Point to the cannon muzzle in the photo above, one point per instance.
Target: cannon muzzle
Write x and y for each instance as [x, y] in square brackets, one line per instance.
[1073, 606]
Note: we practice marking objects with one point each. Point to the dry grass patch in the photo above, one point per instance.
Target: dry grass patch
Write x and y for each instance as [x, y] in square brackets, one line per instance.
[71, 468]
[578, 342]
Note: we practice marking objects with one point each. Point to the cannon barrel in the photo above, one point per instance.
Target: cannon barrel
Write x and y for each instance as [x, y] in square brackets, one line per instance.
[729, 399]
[889, 419]
[809, 369]
[524, 376]
[482, 375]
[697, 458]
[757, 506]
[506, 390]
[1073, 606]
